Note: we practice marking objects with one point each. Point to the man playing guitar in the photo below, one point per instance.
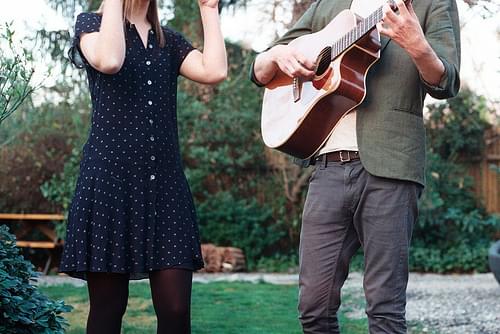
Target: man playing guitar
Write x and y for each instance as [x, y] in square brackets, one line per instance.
[369, 174]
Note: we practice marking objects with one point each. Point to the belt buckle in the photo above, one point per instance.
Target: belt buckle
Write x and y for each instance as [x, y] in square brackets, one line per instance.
[342, 160]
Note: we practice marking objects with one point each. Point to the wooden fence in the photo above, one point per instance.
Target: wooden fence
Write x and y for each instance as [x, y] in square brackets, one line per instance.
[487, 179]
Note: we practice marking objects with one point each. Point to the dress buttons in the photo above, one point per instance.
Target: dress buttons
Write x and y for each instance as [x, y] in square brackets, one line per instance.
[153, 158]
[150, 46]
[150, 121]
[150, 82]
[152, 177]
[152, 138]
[148, 63]
[150, 102]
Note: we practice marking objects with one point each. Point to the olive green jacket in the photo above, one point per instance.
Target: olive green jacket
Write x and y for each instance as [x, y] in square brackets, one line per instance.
[389, 123]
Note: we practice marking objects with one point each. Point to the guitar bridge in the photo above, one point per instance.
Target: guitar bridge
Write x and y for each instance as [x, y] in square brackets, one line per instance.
[297, 89]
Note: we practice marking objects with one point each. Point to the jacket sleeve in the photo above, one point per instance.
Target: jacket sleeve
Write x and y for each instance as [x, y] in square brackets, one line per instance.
[442, 31]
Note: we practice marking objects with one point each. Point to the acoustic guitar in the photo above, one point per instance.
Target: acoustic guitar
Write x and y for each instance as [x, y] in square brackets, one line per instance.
[298, 116]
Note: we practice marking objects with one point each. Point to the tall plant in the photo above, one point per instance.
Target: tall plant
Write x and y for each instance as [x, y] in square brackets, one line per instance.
[16, 73]
[23, 308]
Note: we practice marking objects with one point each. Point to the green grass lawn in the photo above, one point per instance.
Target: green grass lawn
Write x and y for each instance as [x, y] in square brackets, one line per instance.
[217, 308]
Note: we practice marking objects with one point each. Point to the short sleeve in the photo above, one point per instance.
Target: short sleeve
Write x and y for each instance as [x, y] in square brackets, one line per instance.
[85, 23]
[182, 47]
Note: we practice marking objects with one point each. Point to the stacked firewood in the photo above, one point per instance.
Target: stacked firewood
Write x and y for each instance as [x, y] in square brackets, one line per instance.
[222, 259]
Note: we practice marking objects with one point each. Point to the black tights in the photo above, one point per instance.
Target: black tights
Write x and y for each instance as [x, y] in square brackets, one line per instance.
[171, 292]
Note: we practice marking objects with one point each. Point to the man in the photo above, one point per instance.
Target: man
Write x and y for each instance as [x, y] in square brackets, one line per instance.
[370, 200]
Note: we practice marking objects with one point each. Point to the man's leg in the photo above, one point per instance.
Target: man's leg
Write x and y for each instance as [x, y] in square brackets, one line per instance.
[327, 243]
[384, 218]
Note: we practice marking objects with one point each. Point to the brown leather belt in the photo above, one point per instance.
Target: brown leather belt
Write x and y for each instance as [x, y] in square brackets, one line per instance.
[338, 156]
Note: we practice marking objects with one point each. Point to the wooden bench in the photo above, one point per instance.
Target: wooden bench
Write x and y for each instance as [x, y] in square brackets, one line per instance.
[36, 222]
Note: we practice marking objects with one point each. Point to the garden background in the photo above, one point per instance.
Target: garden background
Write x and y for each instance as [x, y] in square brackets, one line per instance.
[248, 196]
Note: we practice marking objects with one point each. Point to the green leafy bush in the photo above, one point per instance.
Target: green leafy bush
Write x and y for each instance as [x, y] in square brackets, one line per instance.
[61, 187]
[227, 221]
[35, 153]
[23, 308]
[454, 231]
[225, 164]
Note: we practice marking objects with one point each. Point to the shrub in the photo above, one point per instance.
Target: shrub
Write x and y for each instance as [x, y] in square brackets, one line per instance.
[454, 230]
[36, 152]
[61, 187]
[227, 221]
[23, 308]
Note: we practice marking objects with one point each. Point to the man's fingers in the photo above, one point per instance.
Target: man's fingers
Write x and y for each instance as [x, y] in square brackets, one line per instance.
[292, 68]
[410, 9]
[383, 30]
[301, 70]
[303, 73]
[288, 68]
[402, 7]
[288, 71]
[304, 62]
[294, 64]
[389, 15]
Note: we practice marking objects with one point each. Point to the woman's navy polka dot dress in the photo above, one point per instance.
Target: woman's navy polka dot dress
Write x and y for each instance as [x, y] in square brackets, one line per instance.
[132, 211]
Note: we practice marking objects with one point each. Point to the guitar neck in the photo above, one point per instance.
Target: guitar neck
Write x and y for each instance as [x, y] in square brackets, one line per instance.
[352, 36]
[362, 27]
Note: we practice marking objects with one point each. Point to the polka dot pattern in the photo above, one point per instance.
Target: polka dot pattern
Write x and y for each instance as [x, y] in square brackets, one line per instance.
[132, 211]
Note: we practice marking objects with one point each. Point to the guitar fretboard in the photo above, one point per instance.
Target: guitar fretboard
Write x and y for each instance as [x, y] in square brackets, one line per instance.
[356, 33]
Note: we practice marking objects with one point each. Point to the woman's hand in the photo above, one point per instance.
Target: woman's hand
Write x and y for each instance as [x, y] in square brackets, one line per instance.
[209, 3]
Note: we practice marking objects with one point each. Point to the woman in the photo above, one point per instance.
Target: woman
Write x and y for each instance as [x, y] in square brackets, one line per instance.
[132, 215]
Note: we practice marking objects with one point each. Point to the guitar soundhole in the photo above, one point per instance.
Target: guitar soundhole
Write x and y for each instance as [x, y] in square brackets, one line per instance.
[323, 61]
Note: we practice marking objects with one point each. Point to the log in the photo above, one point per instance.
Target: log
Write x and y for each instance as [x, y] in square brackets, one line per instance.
[233, 260]
[212, 258]
[222, 259]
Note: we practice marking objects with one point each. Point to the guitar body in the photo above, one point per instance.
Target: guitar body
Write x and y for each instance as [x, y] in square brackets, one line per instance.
[300, 126]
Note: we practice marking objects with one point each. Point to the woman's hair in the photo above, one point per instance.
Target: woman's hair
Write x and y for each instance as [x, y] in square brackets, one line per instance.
[151, 16]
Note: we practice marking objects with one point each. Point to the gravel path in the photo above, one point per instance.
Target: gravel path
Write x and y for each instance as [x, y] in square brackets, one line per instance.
[451, 304]
[444, 304]
[455, 304]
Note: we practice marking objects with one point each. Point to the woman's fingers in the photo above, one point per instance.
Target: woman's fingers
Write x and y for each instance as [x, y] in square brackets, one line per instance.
[209, 3]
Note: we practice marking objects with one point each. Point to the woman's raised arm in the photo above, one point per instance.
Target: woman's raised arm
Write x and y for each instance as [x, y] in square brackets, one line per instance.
[209, 67]
[105, 50]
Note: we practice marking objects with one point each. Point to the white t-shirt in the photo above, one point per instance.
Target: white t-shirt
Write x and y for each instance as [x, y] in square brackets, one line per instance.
[343, 136]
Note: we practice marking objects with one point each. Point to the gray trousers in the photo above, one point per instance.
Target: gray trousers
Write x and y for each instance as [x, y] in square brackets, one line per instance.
[347, 208]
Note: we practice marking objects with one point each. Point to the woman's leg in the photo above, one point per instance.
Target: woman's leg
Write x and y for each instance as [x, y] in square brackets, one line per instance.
[171, 292]
[108, 294]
